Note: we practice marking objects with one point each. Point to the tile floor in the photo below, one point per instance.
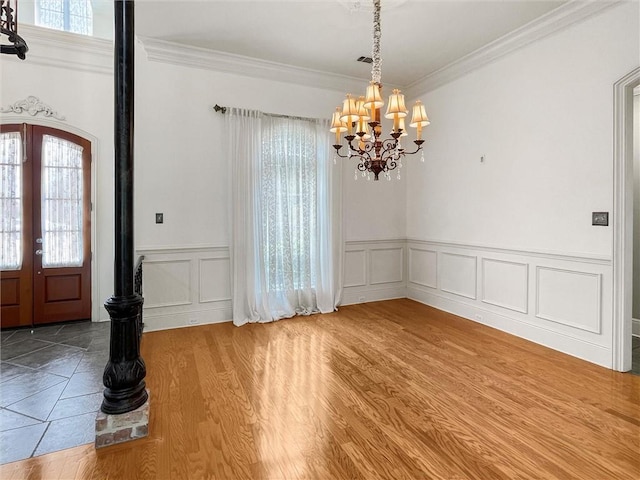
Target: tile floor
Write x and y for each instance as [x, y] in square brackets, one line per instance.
[50, 387]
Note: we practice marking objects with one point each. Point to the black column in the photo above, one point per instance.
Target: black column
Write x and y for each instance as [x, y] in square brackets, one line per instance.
[125, 370]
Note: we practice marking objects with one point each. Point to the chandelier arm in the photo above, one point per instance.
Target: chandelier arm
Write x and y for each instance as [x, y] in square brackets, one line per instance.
[419, 144]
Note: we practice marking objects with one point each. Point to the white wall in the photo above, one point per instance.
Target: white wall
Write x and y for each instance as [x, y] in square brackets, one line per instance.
[543, 118]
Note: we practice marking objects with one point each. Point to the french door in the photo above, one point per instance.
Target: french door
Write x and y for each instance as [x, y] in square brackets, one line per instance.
[45, 254]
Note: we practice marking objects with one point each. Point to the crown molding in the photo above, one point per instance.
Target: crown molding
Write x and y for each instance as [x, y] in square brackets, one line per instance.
[203, 58]
[567, 14]
[65, 50]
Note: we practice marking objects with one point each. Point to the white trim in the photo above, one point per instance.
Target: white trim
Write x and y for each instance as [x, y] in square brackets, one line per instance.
[96, 301]
[635, 330]
[65, 50]
[356, 295]
[483, 283]
[364, 268]
[204, 58]
[538, 314]
[168, 249]
[475, 275]
[622, 218]
[389, 249]
[410, 268]
[567, 257]
[210, 315]
[562, 342]
[562, 17]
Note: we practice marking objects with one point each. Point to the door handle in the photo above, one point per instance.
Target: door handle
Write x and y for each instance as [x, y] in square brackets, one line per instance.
[38, 252]
[38, 240]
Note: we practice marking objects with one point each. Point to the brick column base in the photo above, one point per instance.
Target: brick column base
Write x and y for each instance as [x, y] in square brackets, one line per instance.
[112, 429]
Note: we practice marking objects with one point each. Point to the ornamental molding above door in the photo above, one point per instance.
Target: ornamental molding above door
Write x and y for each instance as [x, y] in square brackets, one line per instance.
[33, 106]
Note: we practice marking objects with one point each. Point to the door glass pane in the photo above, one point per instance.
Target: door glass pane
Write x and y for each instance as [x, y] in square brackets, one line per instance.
[61, 203]
[11, 198]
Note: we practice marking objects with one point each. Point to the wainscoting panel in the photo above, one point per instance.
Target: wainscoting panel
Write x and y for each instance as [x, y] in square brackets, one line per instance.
[355, 268]
[167, 283]
[458, 274]
[386, 265]
[561, 301]
[569, 297]
[423, 267]
[185, 286]
[215, 279]
[505, 284]
[374, 270]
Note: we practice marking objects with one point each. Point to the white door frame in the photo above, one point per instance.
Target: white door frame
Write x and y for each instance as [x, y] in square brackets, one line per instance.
[623, 218]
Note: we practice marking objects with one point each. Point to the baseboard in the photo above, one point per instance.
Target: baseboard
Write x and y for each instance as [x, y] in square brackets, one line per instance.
[635, 327]
[167, 321]
[354, 295]
[563, 343]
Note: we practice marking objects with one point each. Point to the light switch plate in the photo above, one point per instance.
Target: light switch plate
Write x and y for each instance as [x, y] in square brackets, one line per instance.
[159, 217]
[600, 218]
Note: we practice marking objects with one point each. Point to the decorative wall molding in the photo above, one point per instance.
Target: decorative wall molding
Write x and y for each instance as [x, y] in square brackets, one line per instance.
[489, 294]
[386, 265]
[451, 274]
[564, 304]
[66, 50]
[374, 270]
[562, 17]
[430, 274]
[568, 257]
[519, 326]
[185, 285]
[355, 267]
[33, 106]
[571, 307]
[203, 58]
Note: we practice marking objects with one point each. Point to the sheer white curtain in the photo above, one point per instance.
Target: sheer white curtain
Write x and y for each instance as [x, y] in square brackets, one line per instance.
[286, 217]
[11, 201]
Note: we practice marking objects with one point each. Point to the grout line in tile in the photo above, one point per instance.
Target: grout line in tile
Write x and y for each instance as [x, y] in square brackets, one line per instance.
[9, 336]
[32, 351]
[36, 393]
[41, 437]
[24, 415]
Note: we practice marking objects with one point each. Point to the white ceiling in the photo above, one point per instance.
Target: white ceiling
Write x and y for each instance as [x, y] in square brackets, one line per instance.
[418, 36]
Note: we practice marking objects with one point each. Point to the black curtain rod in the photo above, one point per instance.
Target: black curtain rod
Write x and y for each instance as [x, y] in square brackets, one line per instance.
[223, 110]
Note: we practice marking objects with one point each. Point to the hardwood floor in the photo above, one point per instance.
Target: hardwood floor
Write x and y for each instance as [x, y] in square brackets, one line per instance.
[390, 390]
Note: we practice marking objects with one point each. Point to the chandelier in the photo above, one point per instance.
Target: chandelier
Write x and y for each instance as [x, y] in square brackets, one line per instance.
[360, 119]
[9, 28]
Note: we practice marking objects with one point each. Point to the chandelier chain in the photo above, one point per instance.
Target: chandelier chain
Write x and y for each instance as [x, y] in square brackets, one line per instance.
[376, 70]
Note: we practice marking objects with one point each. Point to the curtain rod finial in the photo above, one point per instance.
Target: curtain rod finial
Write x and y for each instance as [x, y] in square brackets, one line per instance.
[218, 108]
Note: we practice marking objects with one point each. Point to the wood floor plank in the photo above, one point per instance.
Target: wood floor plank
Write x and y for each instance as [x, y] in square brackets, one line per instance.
[389, 390]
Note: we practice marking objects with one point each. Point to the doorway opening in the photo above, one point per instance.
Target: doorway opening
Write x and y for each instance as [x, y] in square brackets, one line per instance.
[623, 219]
[45, 260]
[635, 282]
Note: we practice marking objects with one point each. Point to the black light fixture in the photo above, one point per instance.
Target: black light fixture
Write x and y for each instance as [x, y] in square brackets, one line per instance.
[9, 29]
